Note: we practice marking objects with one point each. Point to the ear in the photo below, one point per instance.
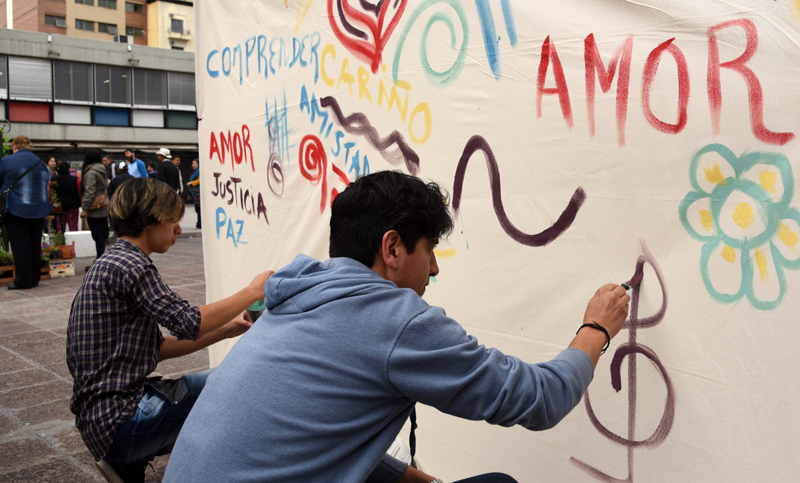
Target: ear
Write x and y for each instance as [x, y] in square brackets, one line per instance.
[391, 246]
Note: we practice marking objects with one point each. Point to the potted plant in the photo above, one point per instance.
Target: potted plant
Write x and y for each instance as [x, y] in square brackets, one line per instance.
[6, 266]
[55, 203]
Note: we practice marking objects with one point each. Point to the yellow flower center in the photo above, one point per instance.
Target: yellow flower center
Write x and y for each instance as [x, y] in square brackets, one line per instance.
[706, 219]
[787, 236]
[768, 179]
[714, 175]
[728, 254]
[761, 263]
[743, 215]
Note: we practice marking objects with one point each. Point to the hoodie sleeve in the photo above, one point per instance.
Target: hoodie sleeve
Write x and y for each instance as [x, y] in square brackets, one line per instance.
[436, 363]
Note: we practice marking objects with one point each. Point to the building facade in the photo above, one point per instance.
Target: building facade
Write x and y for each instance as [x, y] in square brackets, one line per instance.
[170, 24]
[68, 95]
[110, 20]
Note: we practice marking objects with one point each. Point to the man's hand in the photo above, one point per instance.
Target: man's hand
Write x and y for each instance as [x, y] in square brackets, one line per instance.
[83, 214]
[609, 308]
[237, 326]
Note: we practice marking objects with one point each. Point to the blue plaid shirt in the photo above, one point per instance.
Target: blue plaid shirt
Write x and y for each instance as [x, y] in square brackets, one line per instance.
[113, 339]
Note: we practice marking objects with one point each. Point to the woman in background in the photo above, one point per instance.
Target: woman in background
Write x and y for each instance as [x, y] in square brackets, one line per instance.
[66, 187]
[95, 207]
[52, 165]
[194, 184]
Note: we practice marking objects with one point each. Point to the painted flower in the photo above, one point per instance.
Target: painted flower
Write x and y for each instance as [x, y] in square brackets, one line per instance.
[740, 210]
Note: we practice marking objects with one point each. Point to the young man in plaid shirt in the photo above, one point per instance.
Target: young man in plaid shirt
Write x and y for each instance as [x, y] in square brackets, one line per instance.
[114, 341]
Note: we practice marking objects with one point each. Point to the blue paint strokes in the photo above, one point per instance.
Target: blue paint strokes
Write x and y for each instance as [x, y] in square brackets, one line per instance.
[279, 129]
[509, 18]
[220, 221]
[235, 235]
[489, 35]
[227, 71]
[248, 51]
[271, 56]
[211, 73]
[313, 108]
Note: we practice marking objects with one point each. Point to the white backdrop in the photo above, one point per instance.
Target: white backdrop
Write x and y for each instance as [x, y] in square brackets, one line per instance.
[677, 120]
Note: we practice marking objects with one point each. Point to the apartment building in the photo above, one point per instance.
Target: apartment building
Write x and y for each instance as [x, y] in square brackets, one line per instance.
[110, 20]
[170, 24]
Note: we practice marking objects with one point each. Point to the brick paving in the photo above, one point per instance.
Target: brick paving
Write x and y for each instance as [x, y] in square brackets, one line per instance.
[38, 439]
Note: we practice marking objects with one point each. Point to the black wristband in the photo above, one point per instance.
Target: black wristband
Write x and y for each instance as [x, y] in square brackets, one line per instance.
[599, 327]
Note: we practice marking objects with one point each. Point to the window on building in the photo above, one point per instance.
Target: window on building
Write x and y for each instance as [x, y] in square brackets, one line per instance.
[84, 25]
[107, 28]
[134, 32]
[3, 78]
[85, 2]
[107, 3]
[30, 79]
[113, 84]
[176, 25]
[73, 81]
[181, 89]
[54, 20]
[176, 47]
[149, 87]
[134, 7]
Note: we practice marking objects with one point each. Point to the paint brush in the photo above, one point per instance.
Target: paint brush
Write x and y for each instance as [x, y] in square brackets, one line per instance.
[633, 282]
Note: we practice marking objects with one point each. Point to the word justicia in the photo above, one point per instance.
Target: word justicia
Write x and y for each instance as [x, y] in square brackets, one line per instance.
[246, 199]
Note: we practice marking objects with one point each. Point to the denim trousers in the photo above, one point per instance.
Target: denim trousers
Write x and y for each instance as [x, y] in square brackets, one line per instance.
[154, 427]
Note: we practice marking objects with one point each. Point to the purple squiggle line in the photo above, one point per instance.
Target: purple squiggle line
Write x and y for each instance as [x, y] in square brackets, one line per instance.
[357, 123]
[631, 348]
[478, 143]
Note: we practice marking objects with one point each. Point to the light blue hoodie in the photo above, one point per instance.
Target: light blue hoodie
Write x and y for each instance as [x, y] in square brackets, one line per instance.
[320, 386]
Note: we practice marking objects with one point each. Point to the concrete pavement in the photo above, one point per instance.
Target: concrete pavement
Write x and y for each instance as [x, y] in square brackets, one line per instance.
[38, 439]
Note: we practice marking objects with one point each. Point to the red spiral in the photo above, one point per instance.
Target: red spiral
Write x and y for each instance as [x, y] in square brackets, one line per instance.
[314, 165]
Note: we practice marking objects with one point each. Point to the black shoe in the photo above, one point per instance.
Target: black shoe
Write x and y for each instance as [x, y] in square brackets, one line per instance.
[130, 472]
[14, 286]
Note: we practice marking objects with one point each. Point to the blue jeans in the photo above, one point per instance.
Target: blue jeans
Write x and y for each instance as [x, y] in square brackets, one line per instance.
[154, 427]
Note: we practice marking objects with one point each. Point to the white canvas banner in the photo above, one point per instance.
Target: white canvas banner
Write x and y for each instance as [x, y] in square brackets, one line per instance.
[580, 142]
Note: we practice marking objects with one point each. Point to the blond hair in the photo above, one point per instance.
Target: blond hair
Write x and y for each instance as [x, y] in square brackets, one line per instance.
[21, 142]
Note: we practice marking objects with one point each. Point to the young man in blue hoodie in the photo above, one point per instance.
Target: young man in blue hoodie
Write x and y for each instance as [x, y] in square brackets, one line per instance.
[319, 388]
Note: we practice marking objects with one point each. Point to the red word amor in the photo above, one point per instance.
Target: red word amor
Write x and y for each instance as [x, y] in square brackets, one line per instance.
[238, 146]
[620, 66]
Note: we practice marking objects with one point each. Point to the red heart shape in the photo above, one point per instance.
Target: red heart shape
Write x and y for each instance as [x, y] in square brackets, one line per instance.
[365, 35]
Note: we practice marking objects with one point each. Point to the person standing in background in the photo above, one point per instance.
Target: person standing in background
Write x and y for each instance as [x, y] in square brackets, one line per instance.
[95, 206]
[194, 189]
[52, 165]
[166, 171]
[151, 171]
[27, 205]
[66, 187]
[122, 177]
[136, 166]
[111, 166]
[176, 160]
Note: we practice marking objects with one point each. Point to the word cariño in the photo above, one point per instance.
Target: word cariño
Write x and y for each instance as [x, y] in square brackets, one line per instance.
[246, 199]
[622, 58]
[236, 237]
[256, 46]
[391, 96]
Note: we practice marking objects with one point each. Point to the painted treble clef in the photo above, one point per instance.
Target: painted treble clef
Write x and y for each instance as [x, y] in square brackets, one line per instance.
[631, 348]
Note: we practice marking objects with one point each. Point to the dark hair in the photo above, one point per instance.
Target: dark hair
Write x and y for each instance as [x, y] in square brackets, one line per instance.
[63, 167]
[91, 157]
[142, 202]
[388, 200]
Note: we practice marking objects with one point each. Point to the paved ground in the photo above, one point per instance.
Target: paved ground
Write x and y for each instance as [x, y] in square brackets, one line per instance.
[38, 439]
